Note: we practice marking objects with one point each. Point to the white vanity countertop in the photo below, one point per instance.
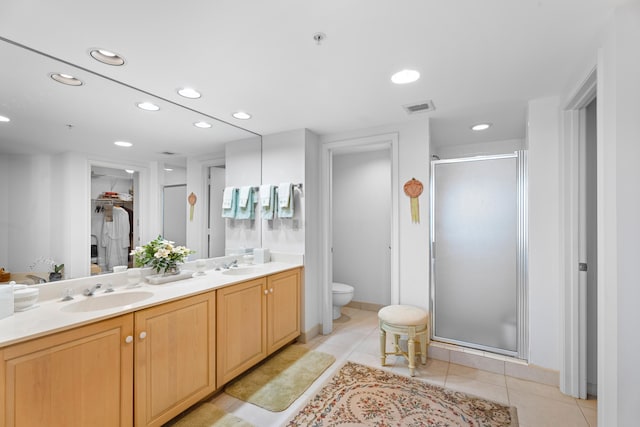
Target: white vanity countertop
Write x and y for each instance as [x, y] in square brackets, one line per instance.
[48, 317]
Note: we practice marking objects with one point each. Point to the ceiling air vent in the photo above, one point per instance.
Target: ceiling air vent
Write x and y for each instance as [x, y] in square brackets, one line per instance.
[168, 153]
[420, 107]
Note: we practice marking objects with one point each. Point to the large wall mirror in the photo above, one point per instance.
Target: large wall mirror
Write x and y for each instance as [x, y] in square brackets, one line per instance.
[60, 139]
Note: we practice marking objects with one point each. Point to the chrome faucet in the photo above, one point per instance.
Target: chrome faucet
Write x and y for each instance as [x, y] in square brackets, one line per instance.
[233, 263]
[90, 291]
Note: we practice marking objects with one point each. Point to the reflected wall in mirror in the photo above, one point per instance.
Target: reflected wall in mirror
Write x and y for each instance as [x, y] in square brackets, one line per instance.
[57, 134]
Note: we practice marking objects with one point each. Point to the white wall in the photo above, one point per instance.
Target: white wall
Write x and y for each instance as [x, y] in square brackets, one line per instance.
[283, 160]
[361, 197]
[4, 211]
[243, 167]
[544, 231]
[618, 214]
[30, 211]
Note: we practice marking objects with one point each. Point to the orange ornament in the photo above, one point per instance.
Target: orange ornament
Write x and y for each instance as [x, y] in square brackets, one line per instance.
[413, 188]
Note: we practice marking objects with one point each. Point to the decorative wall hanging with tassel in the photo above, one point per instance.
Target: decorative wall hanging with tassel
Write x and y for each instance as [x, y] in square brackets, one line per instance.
[413, 188]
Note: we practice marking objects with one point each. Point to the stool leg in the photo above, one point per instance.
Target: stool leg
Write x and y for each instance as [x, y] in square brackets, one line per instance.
[396, 343]
[383, 346]
[412, 355]
[423, 349]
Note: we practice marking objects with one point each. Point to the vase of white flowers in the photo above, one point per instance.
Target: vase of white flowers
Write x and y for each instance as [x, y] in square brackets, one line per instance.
[162, 255]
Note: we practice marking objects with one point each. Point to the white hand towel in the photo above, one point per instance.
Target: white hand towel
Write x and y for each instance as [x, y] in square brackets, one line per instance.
[243, 196]
[284, 194]
[227, 197]
[266, 191]
[285, 200]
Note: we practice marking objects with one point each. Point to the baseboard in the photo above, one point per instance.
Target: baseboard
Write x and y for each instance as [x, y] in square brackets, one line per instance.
[307, 336]
[492, 362]
[367, 306]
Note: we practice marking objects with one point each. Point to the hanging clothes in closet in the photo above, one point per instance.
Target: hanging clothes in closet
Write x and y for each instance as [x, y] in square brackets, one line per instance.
[115, 236]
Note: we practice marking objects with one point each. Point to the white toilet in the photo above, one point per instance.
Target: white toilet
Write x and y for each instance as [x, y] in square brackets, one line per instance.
[342, 295]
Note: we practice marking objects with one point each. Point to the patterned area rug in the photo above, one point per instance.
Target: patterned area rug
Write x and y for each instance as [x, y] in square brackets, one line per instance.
[280, 380]
[361, 396]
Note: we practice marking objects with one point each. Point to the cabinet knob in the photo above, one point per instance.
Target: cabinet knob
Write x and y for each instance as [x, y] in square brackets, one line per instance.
[266, 292]
[143, 335]
[271, 290]
[128, 339]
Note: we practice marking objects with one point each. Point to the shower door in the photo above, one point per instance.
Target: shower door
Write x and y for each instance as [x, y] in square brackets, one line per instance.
[478, 252]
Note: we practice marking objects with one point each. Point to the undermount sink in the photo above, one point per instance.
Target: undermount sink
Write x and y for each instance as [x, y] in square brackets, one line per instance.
[103, 302]
[240, 271]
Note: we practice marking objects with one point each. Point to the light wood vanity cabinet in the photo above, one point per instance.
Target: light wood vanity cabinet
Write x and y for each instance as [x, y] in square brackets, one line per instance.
[241, 315]
[174, 357]
[283, 309]
[82, 377]
[146, 367]
[254, 319]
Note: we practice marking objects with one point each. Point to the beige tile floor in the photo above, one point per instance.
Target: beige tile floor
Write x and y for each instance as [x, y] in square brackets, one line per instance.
[355, 338]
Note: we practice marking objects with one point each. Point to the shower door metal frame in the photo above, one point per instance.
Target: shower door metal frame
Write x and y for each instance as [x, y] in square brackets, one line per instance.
[522, 303]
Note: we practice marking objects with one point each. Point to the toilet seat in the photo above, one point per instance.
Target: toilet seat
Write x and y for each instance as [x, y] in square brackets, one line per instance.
[341, 288]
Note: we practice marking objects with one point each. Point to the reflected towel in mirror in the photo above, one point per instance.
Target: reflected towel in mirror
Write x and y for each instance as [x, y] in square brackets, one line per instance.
[229, 202]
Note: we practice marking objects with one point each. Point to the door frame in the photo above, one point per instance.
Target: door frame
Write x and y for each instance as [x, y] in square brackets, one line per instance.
[326, 175]
[573, 372]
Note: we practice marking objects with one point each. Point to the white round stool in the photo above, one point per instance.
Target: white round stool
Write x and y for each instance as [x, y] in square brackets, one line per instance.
[404, 320]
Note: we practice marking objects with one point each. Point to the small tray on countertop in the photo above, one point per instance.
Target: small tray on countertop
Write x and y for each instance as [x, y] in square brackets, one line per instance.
[159, 279]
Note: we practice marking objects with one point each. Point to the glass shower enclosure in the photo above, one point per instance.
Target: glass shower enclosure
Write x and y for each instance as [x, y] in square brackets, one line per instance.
[479, 253]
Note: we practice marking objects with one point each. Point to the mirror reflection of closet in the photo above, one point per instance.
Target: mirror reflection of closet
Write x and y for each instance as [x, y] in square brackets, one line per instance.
[113, 218]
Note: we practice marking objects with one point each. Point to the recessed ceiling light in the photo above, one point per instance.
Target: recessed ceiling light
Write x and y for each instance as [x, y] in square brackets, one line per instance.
[107, 57]
[241, 115]
[168, 169]
[129, 170]
[123, 144]
[481, 126]
[148, 106]
[188, 92]
[202, 125]
[66, 79]
[4, 119]
[405, 76]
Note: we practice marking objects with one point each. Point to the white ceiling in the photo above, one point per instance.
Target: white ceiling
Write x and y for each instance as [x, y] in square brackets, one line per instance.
[479, 61]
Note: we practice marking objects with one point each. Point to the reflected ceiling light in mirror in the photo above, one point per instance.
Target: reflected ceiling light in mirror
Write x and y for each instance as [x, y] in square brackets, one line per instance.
[4, 119]
[168, 169]
[66, 79]
[188, 92]
[123, 144]
[241, 115]
[405, 76]
[147, 106]
[107, 57]
[202, 125]
[481, 126]
[131, 171]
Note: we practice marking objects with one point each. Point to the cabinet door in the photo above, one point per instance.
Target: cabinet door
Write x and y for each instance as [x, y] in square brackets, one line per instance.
[82, 377]
[283, 309]
[241, 311]
[174, 357]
